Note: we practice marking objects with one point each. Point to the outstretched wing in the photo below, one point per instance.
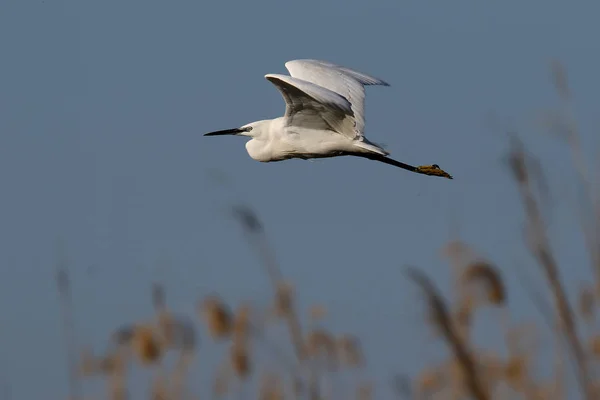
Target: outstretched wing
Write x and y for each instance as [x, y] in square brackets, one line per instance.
[312, 106]
[344, 81]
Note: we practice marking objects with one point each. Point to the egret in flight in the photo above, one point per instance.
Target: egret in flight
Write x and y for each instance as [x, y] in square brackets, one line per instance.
[324, 117]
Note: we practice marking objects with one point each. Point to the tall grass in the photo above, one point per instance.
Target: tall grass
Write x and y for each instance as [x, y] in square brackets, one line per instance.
[321, 354]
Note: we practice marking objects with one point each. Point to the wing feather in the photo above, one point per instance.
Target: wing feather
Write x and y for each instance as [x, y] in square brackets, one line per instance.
[312, 106]
[345, 81]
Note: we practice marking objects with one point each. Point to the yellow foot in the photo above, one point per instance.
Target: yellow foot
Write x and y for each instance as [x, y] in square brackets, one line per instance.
[433, 170]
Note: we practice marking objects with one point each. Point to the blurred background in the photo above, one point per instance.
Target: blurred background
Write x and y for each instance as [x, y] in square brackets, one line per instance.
[103, 165]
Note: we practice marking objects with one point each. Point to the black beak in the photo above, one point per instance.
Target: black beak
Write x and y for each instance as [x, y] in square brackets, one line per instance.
[234, 131]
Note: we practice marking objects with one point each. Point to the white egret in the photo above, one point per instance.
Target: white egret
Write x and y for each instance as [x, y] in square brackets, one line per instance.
[324, 117]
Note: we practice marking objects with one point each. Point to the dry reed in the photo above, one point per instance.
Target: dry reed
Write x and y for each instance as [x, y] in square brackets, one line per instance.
[322, 355]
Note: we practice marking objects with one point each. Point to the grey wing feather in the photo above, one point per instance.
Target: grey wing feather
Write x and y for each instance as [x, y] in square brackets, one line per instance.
[312, 106]
[344, 81]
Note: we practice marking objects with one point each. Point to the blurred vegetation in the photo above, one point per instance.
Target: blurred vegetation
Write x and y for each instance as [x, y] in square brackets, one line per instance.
[469, 372]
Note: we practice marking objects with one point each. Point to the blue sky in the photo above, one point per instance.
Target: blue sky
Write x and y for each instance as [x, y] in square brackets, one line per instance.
[102, 110]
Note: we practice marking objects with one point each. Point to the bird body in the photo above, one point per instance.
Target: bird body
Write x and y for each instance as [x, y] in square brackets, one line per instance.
[278, 142]
[324, 118]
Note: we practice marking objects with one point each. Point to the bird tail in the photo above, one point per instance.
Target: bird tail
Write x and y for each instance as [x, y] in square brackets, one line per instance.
[372, 147]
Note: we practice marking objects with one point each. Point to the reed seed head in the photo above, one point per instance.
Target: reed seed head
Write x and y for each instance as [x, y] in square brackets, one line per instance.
[217, 316]
[240, 360]
[146, 345]
[284, 300]
[515, 372]
[489, 276]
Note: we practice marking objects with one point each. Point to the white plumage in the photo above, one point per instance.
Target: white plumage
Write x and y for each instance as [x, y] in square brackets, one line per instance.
[324, 117]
